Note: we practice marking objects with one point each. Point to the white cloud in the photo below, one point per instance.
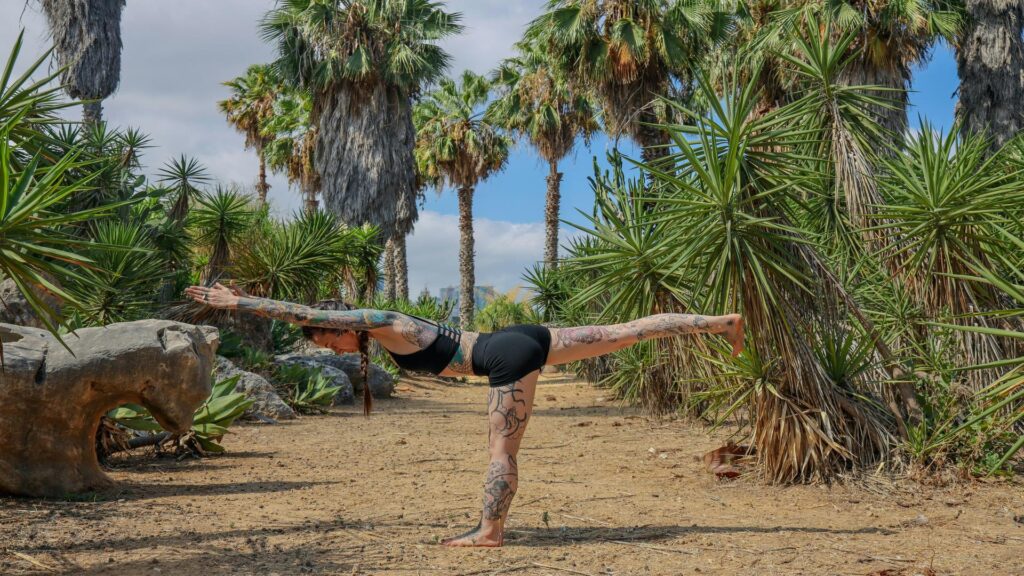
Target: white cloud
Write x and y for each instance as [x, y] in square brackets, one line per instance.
[504, 251]
[175, 57]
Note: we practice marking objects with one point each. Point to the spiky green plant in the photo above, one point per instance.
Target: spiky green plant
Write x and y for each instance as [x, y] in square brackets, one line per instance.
[210, 423]
[220, 219]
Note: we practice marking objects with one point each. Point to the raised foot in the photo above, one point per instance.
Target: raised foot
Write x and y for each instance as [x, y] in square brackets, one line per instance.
[474, 538]
[734, 333]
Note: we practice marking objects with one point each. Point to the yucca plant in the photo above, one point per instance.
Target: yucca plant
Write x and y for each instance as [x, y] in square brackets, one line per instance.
[220, 219]
[183, 177]
[122, 284]
[951, 205]
[292, 260]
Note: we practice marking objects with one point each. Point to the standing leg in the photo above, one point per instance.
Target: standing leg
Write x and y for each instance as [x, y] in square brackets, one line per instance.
[571, 344]
[508, 410]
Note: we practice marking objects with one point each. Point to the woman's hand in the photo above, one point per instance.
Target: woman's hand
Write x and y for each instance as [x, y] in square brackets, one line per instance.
[217, 296]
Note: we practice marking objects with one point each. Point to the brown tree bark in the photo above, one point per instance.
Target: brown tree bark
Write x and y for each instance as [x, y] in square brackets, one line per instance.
[990, 62]
[551, 209]
[401, 268]
[389, 270]
[261, 185]
[467, 302]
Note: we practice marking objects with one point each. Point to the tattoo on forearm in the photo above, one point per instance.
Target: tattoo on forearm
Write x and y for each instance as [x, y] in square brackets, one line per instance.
[306, 316]
[507, 404]
[500, 487]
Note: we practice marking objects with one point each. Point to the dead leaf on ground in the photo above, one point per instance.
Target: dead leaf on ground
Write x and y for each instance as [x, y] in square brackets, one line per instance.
[725, 462]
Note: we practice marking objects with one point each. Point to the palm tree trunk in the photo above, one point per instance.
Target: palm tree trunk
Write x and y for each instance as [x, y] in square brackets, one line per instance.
[467, 303]
[389, 270]
[364, 155]
[261, 186]
[92, 113]
[892, 118]
[990, 62]
[310, 201]
[551, 216]
[401, 268]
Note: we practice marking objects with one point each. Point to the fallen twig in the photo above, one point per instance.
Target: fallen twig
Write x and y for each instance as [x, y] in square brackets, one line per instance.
[30, 560]
[569, 570]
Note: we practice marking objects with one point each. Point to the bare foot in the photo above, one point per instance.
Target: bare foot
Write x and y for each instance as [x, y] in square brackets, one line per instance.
[474, 537]
[734, 333]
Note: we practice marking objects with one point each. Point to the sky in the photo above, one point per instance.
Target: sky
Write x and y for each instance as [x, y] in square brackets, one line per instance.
[177, 55]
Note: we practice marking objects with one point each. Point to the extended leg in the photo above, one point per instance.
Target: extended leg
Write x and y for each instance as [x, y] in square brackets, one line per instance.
[508, 411]
[571, 344]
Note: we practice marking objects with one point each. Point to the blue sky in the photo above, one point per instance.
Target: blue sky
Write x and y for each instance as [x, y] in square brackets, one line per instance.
[176, 55]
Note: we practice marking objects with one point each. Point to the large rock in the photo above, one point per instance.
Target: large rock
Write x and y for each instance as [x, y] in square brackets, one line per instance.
[382, 383]
[14, 309]
[266, 402]
[52, 398]
[345, 394]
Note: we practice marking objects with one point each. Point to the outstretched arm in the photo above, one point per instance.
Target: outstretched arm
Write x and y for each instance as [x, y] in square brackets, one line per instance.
[219, 296]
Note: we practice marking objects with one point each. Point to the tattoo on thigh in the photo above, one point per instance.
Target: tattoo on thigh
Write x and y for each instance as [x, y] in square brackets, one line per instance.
[507, 402]
[585, 335]
[500, 487]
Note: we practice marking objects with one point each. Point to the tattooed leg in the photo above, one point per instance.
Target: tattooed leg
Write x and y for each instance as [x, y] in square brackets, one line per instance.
[571, 344]
[509, 408]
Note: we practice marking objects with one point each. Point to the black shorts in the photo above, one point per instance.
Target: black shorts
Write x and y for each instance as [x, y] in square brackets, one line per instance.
[511, 353]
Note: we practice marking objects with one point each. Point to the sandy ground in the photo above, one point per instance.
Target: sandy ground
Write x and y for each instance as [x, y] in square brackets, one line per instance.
[603, 491]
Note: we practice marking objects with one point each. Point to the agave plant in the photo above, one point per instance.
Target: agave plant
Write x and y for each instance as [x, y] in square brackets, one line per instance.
[309, 390]
[210, 423]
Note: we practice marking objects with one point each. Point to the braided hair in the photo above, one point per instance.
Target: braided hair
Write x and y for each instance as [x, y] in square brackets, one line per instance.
[364, 347]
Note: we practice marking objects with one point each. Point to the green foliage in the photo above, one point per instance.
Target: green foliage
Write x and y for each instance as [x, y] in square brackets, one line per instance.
[324, 43]
[503, 311]
[209, 424]
[456, 145]
[120, 287]
[307, 390]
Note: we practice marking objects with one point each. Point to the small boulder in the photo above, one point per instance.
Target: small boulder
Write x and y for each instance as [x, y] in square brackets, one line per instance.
[382, 383]
[266, 401]
[14, 308]
[346, 393]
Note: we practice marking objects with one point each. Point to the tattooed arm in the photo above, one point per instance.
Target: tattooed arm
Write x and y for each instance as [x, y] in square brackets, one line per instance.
[306, 316]
[220, 297]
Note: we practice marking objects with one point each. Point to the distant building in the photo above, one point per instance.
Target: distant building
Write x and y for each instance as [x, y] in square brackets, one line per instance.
[481, 296]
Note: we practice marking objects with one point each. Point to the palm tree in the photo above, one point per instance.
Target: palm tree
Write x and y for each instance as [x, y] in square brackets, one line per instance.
[990, 61]
[291, 142]
[247, 109]
[362, 61]
[630, 52]
[538, 103]
[457, 145]
[87, 38]
[889, 39]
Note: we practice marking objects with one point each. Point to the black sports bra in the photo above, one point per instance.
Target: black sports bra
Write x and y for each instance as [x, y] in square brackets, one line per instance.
[436, 357]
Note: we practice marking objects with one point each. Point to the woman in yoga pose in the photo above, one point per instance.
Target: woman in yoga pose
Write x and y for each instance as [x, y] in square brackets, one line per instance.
[511, 358]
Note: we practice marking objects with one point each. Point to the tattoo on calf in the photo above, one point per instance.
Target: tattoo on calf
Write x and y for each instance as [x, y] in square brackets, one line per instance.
[500, 487]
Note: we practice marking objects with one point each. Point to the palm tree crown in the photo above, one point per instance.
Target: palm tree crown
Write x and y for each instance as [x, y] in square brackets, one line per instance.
[362, 62]
[248, 107]
[629, 52]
